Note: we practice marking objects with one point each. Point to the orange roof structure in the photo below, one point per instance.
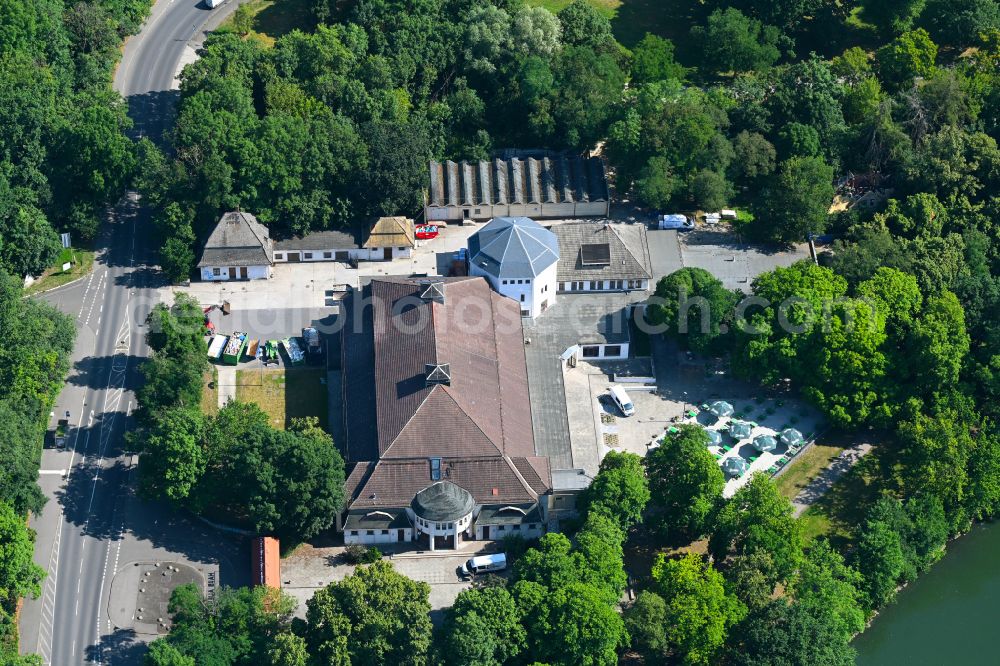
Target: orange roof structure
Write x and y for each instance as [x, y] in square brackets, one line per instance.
[265, 562]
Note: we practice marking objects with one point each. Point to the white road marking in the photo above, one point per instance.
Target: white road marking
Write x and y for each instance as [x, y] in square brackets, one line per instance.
[60, 472]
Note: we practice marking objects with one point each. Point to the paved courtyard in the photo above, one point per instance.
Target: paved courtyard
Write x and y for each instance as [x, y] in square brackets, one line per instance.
[724, 255]
[311, 568]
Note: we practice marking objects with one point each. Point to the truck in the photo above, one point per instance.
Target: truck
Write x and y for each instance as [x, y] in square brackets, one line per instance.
[234, 348]
[314, 348]
[60, 432]
[215, 346]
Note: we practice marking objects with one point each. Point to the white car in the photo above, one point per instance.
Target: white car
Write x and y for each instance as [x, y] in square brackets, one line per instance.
[212, 4]
[675, 221]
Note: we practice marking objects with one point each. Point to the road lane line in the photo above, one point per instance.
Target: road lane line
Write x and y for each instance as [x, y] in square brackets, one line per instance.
[53, 472]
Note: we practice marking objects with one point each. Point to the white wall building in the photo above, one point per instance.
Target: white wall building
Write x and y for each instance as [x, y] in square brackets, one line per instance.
[519, 258]
[597, 256]
[239, 248]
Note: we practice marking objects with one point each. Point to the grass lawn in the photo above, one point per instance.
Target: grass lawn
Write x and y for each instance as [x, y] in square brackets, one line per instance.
[805, 467]
[274, 18]
[285, 394]
[210, 393]
[815, 523]
[82, 260]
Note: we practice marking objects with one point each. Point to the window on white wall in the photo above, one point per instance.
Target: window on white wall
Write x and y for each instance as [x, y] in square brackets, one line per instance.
[328, 255]
[279, 255]
[308, 255]
[216, 272]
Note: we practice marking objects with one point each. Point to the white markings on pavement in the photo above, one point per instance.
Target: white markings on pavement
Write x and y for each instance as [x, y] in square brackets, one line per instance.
[53, 472]
[49, 598]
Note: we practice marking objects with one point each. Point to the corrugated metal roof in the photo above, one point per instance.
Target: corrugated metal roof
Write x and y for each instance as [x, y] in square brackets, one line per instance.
[548, 178]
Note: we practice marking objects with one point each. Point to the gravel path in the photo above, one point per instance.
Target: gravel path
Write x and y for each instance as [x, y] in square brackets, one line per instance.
[825, 480]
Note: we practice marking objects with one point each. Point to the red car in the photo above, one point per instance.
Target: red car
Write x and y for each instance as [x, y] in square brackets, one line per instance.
[426, 232]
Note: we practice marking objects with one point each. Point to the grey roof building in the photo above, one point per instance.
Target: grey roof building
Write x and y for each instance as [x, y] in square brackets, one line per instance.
[600, 252]
[319, 240]
[539, 184]
[238, 240]
[513, 247]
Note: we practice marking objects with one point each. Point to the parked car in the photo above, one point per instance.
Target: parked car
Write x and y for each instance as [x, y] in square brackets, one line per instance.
[426, 232]
[483, 564]
[675, 221]
[621, 399]
[212, 4]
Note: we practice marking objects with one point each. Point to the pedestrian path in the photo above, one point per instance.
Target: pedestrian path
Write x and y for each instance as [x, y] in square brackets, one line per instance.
[819, 486]
[226, 383]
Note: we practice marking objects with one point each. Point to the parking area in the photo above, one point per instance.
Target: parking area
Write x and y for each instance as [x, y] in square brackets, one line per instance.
[723, 254]
[311, 568]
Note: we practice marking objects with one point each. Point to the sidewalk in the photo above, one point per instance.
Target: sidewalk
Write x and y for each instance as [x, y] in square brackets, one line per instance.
[825, 480]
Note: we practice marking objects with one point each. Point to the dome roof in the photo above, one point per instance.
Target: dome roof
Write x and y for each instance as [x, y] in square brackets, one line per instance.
[513, 247]
[443, 501]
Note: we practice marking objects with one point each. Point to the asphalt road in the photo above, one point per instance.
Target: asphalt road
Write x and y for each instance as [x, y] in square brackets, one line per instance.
[93, 525]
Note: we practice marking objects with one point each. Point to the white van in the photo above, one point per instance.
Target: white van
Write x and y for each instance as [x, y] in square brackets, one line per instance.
[621, 399]
[675, 221]
[212, 4]
[484, 564]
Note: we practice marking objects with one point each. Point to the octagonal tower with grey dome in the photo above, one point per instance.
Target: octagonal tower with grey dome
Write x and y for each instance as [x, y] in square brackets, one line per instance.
[518, 257]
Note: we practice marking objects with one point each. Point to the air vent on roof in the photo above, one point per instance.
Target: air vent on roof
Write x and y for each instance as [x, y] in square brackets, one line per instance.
[433, 291]
[438, 373]
[595, 254]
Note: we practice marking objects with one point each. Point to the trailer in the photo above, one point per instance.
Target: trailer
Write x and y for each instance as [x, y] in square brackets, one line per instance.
[314, 348]
[234, 348]
[216, 345]
[271, 352]
[296, 355]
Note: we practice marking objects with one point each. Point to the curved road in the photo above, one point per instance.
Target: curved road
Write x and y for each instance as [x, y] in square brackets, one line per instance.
[92, 526]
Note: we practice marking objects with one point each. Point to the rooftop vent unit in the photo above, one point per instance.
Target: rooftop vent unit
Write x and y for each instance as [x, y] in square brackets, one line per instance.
[438, 373]
[433, 291]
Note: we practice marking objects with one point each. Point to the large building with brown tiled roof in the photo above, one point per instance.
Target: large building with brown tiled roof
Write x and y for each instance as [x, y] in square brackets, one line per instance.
[436, 415]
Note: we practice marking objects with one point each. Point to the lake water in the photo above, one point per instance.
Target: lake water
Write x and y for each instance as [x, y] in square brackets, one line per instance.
[950, 615]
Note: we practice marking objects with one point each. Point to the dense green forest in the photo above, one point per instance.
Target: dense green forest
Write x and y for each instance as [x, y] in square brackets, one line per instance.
[34, 360]
[63, 151]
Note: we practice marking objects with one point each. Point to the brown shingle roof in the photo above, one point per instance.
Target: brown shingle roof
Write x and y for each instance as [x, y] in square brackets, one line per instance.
[391, 232]
[478, 334]
[394, 483]
[478, 424]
